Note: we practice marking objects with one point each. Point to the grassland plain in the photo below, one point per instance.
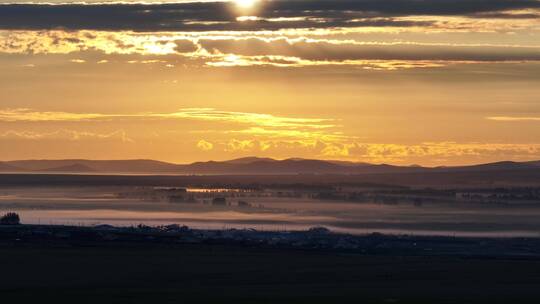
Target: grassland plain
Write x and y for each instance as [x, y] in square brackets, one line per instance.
[62, 270]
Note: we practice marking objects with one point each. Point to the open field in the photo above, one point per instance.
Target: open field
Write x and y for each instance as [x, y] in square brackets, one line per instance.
[140, 270]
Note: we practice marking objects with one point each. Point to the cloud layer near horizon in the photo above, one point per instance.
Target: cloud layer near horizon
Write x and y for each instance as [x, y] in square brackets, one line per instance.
[239, 133]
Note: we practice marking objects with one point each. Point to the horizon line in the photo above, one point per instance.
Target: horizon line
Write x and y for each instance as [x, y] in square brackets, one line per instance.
[269, 158]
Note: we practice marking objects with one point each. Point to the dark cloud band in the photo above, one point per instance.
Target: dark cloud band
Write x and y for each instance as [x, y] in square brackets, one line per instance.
[325, 51]
[215, 16]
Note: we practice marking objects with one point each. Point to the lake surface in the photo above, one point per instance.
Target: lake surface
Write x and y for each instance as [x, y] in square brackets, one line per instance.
[92, 206]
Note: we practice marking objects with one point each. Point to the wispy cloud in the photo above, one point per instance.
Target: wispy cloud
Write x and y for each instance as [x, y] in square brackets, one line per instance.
[292, 134]
[23, 114]
[513, 118]
[204, 114]
[253, 125]
[256, 129]
[63, 134]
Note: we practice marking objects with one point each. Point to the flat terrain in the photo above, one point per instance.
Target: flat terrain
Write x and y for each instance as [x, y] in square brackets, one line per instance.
[517, 177]
[141, 271]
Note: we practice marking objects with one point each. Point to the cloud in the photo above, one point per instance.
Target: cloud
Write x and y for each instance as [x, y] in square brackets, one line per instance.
[513, 118]
[23, 114]
[262, 50]
[185, 46]
[273, 15]
[205, 145]
[253, 124]
[235, 145]
[257, 119]
[291, 134]
[205, 114]
[351, 149]
[266, 133]
[70, 135]
[334, 50]
[67, 42]
[442, 151]
[427, 152]
[336, 150]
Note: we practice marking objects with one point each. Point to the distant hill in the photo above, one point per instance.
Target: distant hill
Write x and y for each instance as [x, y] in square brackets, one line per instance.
[248, 160]
[4, 167]
[497, 166]
[247, 166]
[75, 168]
[289, 166]
[106, 166]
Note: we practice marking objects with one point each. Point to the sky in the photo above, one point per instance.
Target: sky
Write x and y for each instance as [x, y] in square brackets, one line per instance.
[428, 82]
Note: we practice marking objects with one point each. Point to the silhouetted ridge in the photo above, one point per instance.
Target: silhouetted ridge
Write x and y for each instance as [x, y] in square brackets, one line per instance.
[108, 166]
[247, 160]
[497, 166]
[76, 168]
[247, 166]
[9, 168]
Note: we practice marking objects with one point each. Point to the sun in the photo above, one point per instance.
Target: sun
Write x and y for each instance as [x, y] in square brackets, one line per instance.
[245, 3]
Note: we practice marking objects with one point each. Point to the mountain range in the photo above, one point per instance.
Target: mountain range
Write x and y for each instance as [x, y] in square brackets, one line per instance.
[242, 166]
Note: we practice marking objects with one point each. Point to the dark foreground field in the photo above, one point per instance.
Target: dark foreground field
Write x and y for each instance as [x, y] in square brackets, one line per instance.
[147, 272]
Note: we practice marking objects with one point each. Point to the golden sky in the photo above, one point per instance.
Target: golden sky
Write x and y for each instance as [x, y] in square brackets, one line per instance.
[445, 83]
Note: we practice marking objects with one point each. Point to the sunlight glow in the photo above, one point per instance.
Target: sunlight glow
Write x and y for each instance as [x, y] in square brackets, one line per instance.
[245, 3]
